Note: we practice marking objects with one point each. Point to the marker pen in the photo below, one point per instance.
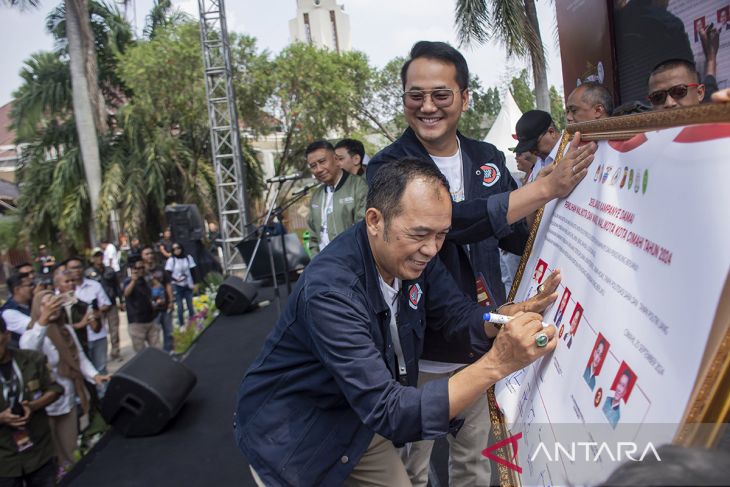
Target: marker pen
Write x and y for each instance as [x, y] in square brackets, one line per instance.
[500, 320]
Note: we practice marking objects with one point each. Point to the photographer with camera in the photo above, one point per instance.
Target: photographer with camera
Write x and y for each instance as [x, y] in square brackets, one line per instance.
[98, 303]
[106, 276]
[143, 329]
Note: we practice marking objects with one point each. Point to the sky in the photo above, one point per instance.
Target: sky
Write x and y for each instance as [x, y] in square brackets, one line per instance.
[383, 29]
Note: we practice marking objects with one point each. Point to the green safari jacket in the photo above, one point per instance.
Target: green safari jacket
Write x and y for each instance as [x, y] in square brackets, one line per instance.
[348, 207]
[36, 381]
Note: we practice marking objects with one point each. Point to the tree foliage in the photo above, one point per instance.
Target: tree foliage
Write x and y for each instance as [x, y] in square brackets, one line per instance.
[522, 91]
[557, 108]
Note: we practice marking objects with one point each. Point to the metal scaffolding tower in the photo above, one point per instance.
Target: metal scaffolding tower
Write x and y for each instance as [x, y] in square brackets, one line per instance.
[230, 172]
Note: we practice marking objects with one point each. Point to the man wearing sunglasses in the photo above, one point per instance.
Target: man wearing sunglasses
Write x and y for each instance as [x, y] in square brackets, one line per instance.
[675, 83]
[488, 214]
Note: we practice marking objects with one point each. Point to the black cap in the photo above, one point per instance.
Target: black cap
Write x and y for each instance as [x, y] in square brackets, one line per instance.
[530, 127]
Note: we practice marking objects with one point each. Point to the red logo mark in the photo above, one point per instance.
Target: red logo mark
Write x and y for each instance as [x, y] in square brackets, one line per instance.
[490, 452]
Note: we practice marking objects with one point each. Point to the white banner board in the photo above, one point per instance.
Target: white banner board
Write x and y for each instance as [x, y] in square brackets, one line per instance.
[643, 246]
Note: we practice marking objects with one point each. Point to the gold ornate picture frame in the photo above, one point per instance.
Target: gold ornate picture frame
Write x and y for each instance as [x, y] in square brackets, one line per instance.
[709, 407]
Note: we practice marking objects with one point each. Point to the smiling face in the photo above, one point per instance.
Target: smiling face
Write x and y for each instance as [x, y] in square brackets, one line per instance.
[323, 166]
[435, 127]
[414, 236]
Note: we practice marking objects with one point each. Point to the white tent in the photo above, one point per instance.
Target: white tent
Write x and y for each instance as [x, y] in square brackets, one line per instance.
[501, 132]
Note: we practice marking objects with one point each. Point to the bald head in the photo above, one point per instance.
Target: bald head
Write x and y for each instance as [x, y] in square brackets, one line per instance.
[589, 101]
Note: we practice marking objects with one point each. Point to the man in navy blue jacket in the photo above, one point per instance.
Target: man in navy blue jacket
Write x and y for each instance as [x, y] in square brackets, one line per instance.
[334, 387]
[488, 214]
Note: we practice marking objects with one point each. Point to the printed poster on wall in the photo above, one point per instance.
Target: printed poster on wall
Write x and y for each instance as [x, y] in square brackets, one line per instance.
[643, 246]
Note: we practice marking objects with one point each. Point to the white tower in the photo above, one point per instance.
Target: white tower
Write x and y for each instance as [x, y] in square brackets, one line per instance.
[322, 23]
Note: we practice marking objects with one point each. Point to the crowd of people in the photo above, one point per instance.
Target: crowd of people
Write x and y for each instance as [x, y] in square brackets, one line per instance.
[59, 328]
[382, 347]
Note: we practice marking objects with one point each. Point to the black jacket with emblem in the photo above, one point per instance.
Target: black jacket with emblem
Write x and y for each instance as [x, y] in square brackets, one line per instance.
[479, 228]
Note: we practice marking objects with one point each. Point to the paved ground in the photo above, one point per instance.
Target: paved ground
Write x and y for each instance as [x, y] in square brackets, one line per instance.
[125, 346]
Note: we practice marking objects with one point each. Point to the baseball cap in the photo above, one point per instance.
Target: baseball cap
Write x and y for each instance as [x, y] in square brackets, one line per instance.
[97, 251]
[531, 125]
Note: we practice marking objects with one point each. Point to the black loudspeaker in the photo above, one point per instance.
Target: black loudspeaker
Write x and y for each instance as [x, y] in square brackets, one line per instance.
[234, 296]
[296, 256]
[146, 393]
[185, 223]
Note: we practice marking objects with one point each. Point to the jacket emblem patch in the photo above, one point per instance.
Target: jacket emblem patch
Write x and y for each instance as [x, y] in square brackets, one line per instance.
[490, 174]
[414, 295]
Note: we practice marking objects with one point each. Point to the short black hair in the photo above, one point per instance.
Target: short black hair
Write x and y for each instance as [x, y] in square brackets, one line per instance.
[14, 281]
[597, 94]
[17, 267]
[3, 326]
[133, 259]
[354, 147]
[387, 187]
[676, 63]
[318, 144]
[147, 246]
[72, 258]
[442, 52]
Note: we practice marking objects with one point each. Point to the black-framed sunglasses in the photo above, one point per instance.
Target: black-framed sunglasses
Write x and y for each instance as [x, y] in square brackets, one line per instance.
[441, 98]
[677, 92]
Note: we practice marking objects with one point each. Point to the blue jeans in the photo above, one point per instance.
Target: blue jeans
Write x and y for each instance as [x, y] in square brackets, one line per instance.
[183, 292]
[97, 354]
[164, 318]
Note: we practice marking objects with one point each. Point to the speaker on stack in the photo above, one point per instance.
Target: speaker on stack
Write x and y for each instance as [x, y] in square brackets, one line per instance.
[188, 230]
[146, 393]
[235, 296]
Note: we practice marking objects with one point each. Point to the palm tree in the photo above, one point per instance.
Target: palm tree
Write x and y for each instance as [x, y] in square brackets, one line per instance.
[88, 108]
[514, 23]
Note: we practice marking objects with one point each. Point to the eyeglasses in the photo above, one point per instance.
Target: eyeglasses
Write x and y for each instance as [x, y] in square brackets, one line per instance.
[441, 98]
[139, 268]
[677, 92]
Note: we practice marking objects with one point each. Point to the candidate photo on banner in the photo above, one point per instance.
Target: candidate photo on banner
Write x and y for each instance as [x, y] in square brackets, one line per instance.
[574, 322]
[622, 386]
[540, 269]
[595, 360]
[561, 308]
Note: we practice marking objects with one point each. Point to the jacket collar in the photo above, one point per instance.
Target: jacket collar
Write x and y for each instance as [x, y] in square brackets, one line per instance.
[342, 180]
[372, 283]
[413, 146]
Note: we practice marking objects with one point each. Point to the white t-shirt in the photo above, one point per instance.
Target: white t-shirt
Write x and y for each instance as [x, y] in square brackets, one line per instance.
[16, 321]
[329, 196]
[390, 295]
[180, 270]
[36, 339]
[88, 291]
[451, 168]
[111, 257]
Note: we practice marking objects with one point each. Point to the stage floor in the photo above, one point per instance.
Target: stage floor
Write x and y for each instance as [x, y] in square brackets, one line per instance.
[197, 447]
